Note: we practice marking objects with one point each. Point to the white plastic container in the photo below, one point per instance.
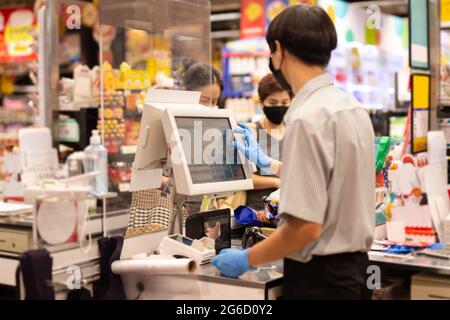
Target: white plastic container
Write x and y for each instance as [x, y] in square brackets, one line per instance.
[96, 159]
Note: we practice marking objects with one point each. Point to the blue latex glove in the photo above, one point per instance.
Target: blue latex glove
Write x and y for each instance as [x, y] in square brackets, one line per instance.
[436, 246]
[232, 262]
[252, 150]
[399, 249]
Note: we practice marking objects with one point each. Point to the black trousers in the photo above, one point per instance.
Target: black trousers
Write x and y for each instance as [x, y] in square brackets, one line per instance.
[332, 277]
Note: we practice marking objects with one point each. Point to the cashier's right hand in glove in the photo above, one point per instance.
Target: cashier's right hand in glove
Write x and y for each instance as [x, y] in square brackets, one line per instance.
[252, 150]
[232, 262]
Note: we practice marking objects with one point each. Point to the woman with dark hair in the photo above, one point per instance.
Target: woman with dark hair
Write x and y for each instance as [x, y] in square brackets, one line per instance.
[206, 79]
[154, 214]
[328, 172]
[269, 134]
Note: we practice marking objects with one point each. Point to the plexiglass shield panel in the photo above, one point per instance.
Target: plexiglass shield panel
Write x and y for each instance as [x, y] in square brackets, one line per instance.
[146, 44]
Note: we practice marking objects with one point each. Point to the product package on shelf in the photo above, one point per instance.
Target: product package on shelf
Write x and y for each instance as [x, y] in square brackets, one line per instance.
[245, 62]
[15, 114]
[114, 125]
[122, 116]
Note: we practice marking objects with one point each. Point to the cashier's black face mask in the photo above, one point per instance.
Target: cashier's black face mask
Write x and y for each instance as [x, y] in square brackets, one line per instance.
[275, 114]
[280, 77]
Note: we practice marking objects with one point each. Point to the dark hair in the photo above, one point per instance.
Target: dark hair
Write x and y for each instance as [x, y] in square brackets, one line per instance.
[199, 75]
[306, 32]
[269, 85]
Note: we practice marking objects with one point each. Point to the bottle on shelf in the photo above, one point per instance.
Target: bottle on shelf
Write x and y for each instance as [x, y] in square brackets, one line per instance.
[96, 159]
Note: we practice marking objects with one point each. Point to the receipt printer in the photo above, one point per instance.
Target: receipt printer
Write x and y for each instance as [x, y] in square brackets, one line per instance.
[201, 251]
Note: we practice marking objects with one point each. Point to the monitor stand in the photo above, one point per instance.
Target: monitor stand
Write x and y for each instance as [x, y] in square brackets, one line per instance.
[177, 201]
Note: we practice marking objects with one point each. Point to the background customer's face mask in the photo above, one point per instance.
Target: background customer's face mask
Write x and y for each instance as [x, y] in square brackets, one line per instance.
[280, 77]
[275, 114]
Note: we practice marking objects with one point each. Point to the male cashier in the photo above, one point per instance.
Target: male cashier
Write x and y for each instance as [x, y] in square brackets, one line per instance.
[327, 175]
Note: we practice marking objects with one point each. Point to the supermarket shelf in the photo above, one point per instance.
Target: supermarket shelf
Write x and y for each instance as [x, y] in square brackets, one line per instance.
[225, 34]
[14, 68]
[444, 111]
[246, 54]
[8, 63]
[13, 111]
[243, 94]
[76, 107]
[120, 157]
[225, 16]
[14, 74]
[126, 150]
[132, 114]
[225, 5]
[26, 116]
[8, 136]
[25, 89]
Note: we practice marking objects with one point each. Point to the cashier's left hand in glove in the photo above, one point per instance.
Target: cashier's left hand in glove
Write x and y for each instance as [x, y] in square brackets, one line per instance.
[232, 262]
[252, 150]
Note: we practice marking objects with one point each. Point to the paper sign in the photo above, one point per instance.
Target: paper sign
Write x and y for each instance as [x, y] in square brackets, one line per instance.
[396, 231]
[38, 166]
[274, 8]
[420, 112]
[56, 221]
[16, 26]
[252, 19]
[418, 24]
[145, 179]
[412, 215]
[421, 91]
[445, 12]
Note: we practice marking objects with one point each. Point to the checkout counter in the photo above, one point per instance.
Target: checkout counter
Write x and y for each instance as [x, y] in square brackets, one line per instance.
[184, 20]
[164, 118]
[418, 263]
[430, 282]
[430, 278]
[206, 283]
[185, 182]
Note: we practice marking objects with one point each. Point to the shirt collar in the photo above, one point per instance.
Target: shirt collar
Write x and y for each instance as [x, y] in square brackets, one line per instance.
[316, 83]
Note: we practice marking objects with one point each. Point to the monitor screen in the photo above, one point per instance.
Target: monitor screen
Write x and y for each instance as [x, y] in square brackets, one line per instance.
[207, 145]
[182, 239]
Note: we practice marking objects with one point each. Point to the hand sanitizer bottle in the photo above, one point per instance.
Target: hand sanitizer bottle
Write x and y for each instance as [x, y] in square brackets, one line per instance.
[96, 159]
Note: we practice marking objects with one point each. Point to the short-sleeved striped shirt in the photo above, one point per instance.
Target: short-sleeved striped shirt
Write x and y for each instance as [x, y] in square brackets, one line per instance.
[328, 174]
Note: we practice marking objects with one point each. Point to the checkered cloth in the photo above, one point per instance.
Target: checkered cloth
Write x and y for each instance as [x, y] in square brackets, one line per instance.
[148, 207]
[150, 212]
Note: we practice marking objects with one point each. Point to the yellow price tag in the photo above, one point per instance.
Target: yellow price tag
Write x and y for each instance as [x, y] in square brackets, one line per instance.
[445, 11]
[421, 92]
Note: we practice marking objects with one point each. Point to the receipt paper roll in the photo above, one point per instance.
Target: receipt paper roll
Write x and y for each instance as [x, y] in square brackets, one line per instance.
[154, 266]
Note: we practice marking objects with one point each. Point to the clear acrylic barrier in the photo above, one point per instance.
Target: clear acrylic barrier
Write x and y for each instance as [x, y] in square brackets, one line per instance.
[147, 44]
[61, 215]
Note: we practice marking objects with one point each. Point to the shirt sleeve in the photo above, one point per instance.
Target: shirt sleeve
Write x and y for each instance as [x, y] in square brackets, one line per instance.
[308, 159]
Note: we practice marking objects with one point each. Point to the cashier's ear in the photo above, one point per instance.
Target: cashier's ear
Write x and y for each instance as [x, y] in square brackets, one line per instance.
[277, 55]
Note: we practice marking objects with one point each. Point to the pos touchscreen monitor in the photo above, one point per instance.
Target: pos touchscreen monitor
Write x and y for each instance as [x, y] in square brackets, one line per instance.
[202, 155]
